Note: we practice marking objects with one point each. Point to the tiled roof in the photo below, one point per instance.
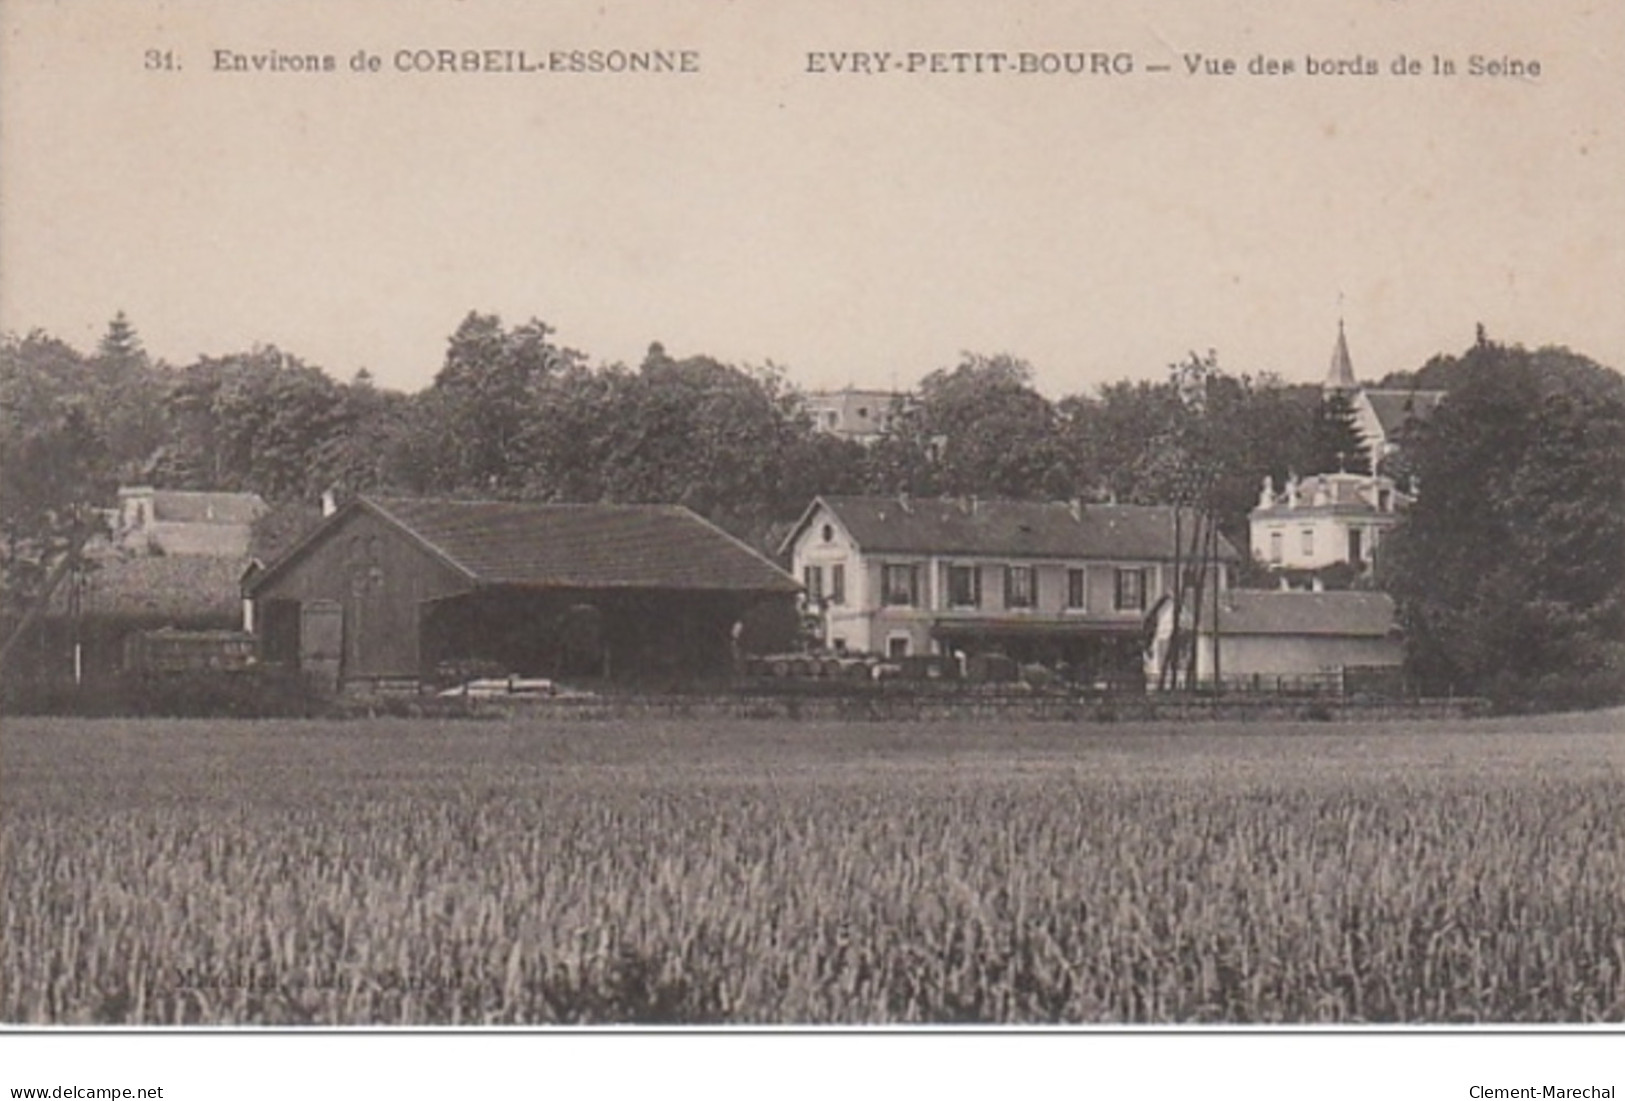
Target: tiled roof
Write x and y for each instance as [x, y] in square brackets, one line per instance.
[583, 546]
[1393, 408]
[173, 588]
[1339, 492]
[1010, 529]
[1258, 612]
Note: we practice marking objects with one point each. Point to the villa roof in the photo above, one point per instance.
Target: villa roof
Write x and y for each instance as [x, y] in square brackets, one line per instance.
[1342, 493]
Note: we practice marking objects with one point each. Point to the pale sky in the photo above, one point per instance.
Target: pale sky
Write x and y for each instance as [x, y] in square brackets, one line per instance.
[853, 229]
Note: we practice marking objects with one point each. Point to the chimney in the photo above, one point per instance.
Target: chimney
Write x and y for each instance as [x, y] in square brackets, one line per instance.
[330, 502]
[1075, 507]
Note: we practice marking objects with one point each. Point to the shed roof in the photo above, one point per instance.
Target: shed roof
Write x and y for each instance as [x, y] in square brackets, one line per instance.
[1346, 613]
[1008, 529]
[586, 546]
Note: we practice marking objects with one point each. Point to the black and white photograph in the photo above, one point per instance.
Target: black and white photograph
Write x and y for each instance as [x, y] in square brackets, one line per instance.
[811, 523]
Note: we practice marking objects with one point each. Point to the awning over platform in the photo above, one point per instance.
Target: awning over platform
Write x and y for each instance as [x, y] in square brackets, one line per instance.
[1035, 627]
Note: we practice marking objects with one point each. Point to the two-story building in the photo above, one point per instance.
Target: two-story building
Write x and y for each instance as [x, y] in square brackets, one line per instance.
[1315, 523]
[1052, 582]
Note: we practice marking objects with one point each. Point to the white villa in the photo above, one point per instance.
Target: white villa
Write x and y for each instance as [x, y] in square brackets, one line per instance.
[1323, 520]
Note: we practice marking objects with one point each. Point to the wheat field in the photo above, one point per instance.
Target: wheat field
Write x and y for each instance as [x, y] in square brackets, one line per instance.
[517, 872]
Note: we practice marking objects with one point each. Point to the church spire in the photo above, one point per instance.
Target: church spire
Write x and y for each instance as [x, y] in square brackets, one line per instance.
[1340, 376]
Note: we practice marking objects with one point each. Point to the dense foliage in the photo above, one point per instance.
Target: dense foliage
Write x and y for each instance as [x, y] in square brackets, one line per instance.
[1509, 568]
[514, 413]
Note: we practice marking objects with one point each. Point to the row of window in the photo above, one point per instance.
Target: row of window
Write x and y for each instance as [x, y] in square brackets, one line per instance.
[1359, 544]
[1277, 544]
[900, 587]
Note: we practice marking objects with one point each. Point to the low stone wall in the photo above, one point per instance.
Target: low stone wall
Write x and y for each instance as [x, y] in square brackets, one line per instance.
[943, 708]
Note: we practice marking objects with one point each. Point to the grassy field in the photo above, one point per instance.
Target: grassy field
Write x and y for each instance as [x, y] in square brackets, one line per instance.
[513, 872]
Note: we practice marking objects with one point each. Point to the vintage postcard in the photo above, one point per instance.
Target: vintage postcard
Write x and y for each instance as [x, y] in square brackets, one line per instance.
[1099, 519]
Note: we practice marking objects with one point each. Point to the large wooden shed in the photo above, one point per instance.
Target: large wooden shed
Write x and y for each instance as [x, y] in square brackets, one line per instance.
[397, 588]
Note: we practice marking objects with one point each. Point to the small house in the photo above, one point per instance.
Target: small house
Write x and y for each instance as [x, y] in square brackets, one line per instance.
[1267, 639]
[169, 561]
[98, 616]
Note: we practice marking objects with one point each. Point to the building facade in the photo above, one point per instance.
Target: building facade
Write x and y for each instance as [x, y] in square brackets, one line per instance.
[185, 522]
[1056, 583]
[1315, 523]
[853, 414]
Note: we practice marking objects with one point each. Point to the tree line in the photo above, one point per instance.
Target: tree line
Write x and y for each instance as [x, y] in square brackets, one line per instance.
[515, 413]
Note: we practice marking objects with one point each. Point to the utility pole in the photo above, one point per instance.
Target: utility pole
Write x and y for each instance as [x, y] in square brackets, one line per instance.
[1218, 641]
[76, 543]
